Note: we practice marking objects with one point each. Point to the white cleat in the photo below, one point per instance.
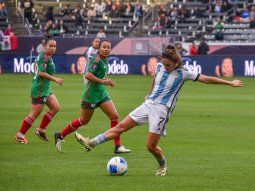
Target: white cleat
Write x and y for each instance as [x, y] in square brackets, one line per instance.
[161, 171]
[84, 141]
[121, 150]
[59, 145]
[58, 141]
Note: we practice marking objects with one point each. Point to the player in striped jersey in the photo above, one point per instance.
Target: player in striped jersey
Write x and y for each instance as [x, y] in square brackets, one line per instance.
[41, 93]
[158, 106]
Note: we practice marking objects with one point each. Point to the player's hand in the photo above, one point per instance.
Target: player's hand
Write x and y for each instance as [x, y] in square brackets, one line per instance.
[107, 81]
[59, 81]
[146, 97]
[237, 83]
[112, 84]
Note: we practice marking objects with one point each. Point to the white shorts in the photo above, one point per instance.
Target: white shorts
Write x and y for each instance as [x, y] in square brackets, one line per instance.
[153, 113]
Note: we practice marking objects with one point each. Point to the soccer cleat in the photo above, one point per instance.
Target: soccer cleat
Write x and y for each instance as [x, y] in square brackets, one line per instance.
[21, 139]
[84, 141]
[161, 171]
[120, 149]
[41, 134]
[58, 141]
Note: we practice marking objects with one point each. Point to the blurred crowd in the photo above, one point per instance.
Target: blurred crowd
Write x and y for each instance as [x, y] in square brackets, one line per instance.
[167, 13]
[3, 10]
[100, 9]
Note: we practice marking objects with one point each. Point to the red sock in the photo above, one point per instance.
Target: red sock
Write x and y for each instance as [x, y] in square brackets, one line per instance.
[26, 124]
[71, 127]
[117, 141]
[46, 120]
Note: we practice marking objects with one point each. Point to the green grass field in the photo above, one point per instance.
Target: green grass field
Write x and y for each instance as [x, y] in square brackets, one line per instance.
[209, 146]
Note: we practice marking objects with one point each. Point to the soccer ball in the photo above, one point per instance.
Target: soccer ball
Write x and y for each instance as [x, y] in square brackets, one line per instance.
[117, 166]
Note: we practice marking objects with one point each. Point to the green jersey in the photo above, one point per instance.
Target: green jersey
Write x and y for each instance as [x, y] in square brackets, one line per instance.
[41, 86]
[95, 92]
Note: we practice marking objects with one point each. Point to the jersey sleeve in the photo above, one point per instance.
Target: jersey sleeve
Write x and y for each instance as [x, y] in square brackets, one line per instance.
[90, 53]
[190, 75]
[93, 66]
[41, 62]
[159, 65]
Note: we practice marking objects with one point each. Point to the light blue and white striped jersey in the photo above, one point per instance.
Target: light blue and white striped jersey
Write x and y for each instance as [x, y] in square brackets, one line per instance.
[88, 55]
[168, 84]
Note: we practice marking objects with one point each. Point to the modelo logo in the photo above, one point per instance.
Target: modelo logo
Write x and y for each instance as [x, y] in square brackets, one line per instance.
[117, 66]
[249, 68]
[191, 65]
[23, 65]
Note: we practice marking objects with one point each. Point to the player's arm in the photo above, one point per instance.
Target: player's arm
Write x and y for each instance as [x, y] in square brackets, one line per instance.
[49, 77]
[152, 85]
[213, 80]
[143, 70]
[91, 77]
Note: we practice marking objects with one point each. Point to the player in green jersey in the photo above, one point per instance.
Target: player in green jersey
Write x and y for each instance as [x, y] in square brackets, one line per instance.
[89, 54]
[95, 95]
[41, 93]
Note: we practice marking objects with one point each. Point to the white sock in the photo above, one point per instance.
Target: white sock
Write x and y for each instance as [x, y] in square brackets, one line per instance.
[98, 140]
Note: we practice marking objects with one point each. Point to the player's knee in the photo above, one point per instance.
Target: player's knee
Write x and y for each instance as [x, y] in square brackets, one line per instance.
[84, 121]
[151, 147]
[34, 114]
[114, 117]
[56, 109]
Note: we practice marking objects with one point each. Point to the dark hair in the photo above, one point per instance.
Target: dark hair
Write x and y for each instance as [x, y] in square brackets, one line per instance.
[172, 54]
[96, 38]
[47, 39]
[104, 40]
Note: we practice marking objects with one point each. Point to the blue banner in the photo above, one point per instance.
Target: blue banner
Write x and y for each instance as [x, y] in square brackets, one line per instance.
[122, 65]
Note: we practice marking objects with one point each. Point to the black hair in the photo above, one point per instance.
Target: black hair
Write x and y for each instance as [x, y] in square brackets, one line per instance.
[95, 39]
[104, 40]
[47, 39]
[172, 54]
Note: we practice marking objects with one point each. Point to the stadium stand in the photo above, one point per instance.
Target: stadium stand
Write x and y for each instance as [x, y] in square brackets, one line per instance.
[75, 17]
[189, 20]
[182, 20]
[3, 16]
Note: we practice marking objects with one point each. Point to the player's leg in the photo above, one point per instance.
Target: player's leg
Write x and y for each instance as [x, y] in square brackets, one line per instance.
[136, 117]
[85, 117]
[125, 125]
[53, 106]
[110, 110]
[152, 146]
[158, 117]
[36, 109]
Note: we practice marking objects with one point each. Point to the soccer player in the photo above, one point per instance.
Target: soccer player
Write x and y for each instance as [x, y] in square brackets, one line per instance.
[90, 52]
[95, 95]
[41, 93]
[158, 106]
